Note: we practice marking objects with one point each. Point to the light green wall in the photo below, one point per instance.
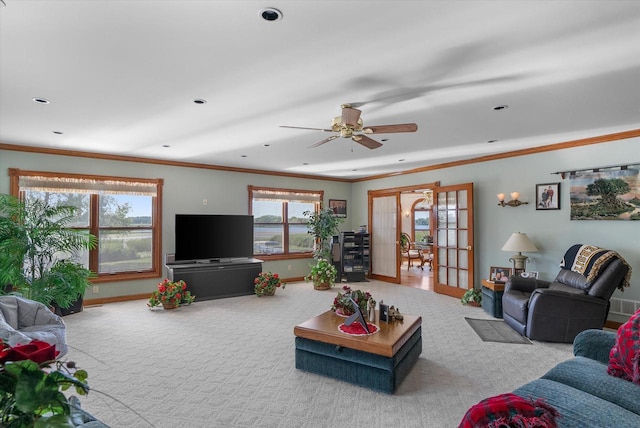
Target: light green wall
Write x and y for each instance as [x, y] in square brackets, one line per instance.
[551, 231]
[183, 192]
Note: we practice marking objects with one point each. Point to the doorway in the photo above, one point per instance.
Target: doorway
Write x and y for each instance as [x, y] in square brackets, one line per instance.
[450, 218]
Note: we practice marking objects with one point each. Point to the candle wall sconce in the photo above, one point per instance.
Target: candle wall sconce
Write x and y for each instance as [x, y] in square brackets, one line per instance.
[514, 202]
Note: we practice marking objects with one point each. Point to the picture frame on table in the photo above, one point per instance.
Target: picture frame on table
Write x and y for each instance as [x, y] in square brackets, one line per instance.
[548, 196]
[339, 207]
[500, 274]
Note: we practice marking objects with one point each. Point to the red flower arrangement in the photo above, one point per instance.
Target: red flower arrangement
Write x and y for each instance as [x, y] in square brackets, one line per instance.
[266, 283]
[171, 293]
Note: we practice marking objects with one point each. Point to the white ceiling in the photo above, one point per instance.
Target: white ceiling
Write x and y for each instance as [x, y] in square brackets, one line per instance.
[121, 77]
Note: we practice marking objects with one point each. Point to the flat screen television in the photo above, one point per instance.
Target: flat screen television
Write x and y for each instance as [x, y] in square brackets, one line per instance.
[213, 237]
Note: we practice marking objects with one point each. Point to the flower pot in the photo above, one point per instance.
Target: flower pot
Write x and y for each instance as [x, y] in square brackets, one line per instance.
[169, 305]
[321, 286]
[269, 292]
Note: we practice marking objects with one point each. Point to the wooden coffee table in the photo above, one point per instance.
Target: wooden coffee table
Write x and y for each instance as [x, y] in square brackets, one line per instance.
[379, 361]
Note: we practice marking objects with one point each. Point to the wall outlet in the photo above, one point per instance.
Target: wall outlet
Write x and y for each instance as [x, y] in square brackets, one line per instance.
[96, 289]
[204, 202]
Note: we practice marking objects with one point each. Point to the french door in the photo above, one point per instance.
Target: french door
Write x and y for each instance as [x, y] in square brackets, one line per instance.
[453, 258]
[384, 221]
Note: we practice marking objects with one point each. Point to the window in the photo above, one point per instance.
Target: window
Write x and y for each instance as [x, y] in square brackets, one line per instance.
[280, 226]
[123, 213]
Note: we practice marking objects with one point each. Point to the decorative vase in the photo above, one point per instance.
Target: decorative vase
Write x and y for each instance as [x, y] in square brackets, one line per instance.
[321, 285]
[169, 305]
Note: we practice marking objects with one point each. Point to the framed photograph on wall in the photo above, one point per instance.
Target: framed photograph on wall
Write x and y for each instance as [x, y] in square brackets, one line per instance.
[548, 196]
[339, 207]
[500, 274]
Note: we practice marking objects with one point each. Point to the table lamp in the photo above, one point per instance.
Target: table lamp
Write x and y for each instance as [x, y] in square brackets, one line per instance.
[519, 242]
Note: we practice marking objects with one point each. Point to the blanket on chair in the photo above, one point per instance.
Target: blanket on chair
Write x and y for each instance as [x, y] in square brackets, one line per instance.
[588, 261]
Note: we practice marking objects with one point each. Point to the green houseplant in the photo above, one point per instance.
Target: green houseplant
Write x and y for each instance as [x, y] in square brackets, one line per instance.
[37, 250]
[31, 393]
[323, 274]
[322, 225]
[472, 297]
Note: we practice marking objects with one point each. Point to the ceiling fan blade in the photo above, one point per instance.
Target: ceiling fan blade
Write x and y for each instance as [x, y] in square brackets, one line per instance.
[389, 129]
[326, 140]
[369, 143]
[350, 116]
[311, 129]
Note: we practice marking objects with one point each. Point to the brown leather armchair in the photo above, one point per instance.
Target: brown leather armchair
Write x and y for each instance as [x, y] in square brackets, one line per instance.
[557, 311]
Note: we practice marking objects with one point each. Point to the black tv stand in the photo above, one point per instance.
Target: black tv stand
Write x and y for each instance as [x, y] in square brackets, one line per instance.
[216, 279]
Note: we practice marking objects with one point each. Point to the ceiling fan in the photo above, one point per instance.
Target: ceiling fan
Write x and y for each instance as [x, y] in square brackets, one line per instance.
[349, 125]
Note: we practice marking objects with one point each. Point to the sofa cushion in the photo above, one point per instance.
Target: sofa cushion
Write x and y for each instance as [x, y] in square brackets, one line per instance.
[624, 359]
[591, 377]
[576, 408]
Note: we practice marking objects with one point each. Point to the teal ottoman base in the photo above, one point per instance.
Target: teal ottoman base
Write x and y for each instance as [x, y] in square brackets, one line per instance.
[358, 367]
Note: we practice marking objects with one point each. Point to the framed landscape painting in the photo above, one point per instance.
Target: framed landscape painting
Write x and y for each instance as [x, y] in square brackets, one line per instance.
[548, 196]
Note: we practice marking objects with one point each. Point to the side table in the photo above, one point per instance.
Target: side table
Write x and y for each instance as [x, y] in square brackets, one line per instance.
[492, 297]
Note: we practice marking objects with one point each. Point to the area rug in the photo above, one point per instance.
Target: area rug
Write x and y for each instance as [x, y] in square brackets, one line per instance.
[496, 331]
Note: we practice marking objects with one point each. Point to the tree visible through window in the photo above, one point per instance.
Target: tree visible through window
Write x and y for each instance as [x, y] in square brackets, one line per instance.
[280, 227]
[118, 211]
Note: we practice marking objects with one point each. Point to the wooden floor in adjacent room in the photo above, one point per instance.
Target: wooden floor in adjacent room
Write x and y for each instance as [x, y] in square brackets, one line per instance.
[416, 277]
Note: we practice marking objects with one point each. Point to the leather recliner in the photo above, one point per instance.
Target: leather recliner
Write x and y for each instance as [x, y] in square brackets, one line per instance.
[557, 311]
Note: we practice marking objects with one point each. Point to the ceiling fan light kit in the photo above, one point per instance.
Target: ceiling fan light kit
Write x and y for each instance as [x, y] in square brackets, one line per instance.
[349, 123]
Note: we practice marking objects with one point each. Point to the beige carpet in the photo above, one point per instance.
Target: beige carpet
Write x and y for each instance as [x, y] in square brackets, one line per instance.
[230, 363]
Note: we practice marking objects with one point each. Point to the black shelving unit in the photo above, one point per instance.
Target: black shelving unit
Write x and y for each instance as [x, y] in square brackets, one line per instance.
[355, 255]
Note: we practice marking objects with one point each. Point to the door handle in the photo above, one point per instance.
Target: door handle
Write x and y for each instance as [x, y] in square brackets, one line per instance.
[468, 247]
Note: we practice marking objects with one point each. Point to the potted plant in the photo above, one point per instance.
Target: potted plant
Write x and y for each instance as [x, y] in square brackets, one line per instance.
[322, 225]
[323, 274]
[38, 251]
[266, 284]
[171, 295]
[342, 303]
[472, 297]
[31, 387]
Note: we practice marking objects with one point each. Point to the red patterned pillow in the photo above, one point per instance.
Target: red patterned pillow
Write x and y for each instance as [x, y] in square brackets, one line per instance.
[509, 410]
[624, 358]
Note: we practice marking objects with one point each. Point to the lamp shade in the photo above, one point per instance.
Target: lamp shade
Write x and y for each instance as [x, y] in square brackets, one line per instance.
[519, 242]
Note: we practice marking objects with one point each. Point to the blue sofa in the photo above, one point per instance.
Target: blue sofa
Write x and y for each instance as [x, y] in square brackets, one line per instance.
[581, 390]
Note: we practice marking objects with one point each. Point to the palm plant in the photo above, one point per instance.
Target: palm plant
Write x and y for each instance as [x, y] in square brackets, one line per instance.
[37, 250]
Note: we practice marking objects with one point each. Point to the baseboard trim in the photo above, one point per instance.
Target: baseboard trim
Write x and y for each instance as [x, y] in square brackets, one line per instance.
[101, 301]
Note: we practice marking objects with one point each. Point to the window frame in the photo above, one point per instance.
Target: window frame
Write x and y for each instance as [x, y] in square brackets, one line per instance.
[94, 212]
[315, 194]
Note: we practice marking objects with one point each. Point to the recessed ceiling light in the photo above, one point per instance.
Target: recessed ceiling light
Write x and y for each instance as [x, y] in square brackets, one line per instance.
[400, 160]
[243, 156]
[384, 140]
[271, 14]
[501, 107]
[200, 101]
[305, 163]
[354, 170]
[40, 100]
[166, 146]
[267, 145]
[492, 141]
[58, 132]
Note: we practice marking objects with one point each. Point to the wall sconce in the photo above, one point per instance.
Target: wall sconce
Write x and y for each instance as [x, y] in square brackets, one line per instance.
[407, 213]
[514, 202]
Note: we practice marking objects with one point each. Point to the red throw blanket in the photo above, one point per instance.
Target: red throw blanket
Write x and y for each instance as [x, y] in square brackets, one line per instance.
[509, 411]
